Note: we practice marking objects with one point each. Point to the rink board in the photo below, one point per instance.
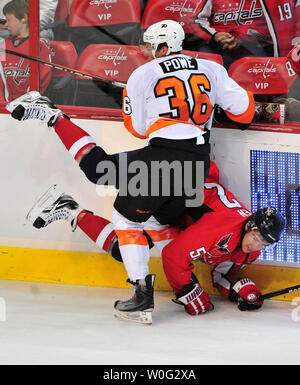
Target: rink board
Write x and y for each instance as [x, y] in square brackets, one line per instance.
[97, 269]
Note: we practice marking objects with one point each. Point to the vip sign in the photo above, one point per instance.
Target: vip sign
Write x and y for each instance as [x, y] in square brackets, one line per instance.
[263, 71]
[116, 56]
[104, 16]
[183, 7]
[106, 3]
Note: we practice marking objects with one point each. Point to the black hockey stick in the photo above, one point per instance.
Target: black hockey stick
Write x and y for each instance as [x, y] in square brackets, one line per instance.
[63, 68]
[279, 292]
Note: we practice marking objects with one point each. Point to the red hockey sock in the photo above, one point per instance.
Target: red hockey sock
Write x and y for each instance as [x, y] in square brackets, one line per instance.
[98, 229]
[73, 137]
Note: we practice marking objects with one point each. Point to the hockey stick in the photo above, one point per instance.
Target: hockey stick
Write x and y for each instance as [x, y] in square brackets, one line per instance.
[63, 68]
[279, 292]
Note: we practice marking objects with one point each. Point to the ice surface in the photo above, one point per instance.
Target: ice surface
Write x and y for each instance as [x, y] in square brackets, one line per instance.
[66, 324]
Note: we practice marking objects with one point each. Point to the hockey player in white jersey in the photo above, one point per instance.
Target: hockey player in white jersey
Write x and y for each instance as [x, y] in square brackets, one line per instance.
[170, 102]
[162, 96]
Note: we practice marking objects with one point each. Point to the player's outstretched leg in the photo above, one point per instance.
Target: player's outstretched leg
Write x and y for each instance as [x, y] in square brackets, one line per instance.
[34, 106]
[54, 205]
[138, 308]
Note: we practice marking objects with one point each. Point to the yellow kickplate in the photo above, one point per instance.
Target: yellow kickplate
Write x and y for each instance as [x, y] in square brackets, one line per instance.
[98, 269]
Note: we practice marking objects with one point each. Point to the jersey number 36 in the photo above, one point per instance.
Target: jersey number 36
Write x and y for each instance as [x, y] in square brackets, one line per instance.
[199, 111]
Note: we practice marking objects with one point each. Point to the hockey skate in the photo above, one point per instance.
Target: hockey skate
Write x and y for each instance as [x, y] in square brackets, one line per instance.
[139, 308]
[52, 206]
[34, 106]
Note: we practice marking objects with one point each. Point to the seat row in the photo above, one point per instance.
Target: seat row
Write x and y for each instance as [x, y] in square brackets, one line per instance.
[86, 22]
[261, 75]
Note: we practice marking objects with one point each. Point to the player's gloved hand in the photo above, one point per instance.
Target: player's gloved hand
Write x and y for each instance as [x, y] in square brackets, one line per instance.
[194, 299]
[246, 294]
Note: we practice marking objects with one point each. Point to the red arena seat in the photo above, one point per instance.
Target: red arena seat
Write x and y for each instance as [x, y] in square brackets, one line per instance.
[86, 13]
[183, 11]
[62, 84]
[263, 75]
[62, 10]
[64, 53]
[204, 55]
[61, 20]
[104, 22]
[113, 62]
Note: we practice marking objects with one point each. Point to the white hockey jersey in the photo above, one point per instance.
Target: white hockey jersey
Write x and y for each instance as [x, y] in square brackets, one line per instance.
[173, 97]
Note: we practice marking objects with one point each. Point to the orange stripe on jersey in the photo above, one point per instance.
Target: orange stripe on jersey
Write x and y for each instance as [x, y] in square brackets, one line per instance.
[161, 123]
[163, 234]
[129, 237]
[247, 116]
[127, 117]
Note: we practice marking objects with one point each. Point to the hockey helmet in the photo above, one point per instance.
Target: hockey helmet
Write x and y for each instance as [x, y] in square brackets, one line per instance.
[269, 222]
[165, 31]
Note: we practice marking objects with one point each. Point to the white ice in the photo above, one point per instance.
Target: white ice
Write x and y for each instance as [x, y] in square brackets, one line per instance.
[66, 324]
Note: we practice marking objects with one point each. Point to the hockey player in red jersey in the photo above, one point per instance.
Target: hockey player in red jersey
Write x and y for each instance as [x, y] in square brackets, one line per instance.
[15, 71]
[227, 236]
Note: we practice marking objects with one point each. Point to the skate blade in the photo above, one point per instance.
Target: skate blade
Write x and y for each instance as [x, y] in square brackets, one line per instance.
[30, 96]
[142, 317]
[47, 199]
[175, 300]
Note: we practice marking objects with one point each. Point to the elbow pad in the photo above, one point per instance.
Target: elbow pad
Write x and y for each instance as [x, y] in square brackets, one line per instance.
[91, 160]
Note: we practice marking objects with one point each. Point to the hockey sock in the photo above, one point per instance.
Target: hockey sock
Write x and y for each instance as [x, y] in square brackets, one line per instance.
[134, 246]
[134, 249]
[75, 139]
[98, 229]
[163, 236]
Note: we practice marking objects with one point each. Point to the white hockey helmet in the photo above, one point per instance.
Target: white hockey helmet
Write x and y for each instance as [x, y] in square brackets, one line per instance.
[165, 31]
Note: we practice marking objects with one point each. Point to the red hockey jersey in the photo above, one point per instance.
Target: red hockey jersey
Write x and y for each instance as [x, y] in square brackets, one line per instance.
[274, 21]
[15, 71]
[215, 238]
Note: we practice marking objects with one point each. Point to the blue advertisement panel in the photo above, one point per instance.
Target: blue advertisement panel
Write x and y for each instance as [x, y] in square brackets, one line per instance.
[275, 181]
